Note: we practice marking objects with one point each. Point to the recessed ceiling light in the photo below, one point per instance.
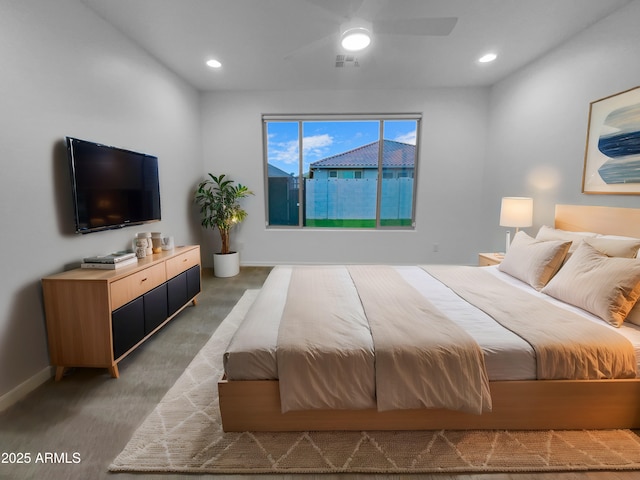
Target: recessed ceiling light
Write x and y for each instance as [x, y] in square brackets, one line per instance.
[489, 57]
[355, 39]
[213, 63]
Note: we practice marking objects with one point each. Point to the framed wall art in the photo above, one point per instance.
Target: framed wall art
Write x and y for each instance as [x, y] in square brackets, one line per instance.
[612, 154]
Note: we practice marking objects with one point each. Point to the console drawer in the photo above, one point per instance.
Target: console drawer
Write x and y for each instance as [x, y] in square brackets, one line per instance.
[183, 262]
[136, 284]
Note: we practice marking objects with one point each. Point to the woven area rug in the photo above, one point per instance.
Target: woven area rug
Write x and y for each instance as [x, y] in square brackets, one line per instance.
[184, 434]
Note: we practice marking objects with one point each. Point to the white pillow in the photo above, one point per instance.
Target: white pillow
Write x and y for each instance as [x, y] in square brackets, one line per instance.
[533, 261]
[548, 233]
[613, 246]
[618, 237]
[605, 286]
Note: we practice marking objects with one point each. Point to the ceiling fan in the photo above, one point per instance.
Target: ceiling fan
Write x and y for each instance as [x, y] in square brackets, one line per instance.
[358, 21]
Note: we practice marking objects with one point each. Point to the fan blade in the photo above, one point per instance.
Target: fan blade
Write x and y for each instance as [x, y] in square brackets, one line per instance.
[340, 8]
[309, 47]
[369, 9]
[416, 26]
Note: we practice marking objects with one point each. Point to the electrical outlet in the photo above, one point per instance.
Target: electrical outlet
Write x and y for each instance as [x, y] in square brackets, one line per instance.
[436, 247]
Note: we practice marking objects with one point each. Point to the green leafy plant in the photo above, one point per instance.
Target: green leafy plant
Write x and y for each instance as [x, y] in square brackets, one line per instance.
[218, 200]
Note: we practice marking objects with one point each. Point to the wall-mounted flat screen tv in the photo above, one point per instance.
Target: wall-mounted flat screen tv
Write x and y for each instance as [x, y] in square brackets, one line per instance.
[112, 187]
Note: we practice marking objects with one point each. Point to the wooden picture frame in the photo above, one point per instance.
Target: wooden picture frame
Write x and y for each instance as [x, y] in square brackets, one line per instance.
[612, 153]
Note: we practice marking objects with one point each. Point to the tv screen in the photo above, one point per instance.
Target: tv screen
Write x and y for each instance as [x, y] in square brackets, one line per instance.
[112, 187]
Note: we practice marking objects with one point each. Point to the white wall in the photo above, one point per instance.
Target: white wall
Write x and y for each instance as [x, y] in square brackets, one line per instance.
[450, 171]
[539, 120]
[66, 72]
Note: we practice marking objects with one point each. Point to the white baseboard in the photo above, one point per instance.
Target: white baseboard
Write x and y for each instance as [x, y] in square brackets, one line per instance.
[25, 388]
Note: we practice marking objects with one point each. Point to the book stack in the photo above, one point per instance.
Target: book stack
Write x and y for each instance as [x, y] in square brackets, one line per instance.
[110, 261]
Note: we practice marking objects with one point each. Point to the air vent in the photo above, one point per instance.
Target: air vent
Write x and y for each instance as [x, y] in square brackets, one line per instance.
[346, 61]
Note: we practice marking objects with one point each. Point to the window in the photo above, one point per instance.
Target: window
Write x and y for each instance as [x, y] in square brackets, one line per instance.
[341, 172]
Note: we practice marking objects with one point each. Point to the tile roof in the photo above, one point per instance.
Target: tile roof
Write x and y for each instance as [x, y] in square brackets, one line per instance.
[274, 171]
[396, 155]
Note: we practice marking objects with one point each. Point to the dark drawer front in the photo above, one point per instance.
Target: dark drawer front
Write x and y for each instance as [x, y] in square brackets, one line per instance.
[193, 282]
[155, 308]
[128, 326]
[177, 293]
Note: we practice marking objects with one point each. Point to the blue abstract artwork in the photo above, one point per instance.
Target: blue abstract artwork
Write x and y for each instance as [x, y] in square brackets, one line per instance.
[620, 142]
[612, 157]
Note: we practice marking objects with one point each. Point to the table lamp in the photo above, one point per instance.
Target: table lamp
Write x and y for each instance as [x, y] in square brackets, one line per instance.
[516, 212]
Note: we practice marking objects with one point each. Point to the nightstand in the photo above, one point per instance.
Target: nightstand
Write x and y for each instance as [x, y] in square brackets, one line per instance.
[487, 259]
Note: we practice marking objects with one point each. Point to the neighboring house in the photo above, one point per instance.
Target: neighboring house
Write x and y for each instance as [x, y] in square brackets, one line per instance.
[278, 172]
[362, 162]
[283, 197]
[342, 190]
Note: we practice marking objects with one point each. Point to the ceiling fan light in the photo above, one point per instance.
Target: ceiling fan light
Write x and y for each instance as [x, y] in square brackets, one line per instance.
[355, 39]
[489, 57]
[213, 63]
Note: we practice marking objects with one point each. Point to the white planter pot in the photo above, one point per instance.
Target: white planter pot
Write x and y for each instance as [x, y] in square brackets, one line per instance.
[227, 265]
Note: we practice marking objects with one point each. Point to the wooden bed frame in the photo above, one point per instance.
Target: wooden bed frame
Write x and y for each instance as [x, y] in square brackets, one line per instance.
[528, 405]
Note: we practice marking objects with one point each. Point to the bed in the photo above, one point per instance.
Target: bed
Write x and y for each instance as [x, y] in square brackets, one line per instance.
[506, 386]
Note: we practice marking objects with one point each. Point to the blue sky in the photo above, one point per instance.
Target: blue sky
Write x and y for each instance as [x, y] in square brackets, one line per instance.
[323, 139]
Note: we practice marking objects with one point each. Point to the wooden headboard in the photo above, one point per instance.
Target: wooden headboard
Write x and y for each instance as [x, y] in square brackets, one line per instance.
[604, 220]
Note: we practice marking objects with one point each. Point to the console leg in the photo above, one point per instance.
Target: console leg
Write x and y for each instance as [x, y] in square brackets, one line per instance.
[113, 370]
[59, 373]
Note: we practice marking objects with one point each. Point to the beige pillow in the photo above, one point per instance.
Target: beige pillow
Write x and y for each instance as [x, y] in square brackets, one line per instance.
[615, 246]
[547, 233]
[628, 247]
[605, 286]
[533, 261]
[634, 315]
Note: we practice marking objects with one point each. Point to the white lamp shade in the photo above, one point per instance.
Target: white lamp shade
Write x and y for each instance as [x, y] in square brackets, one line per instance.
[516, 212]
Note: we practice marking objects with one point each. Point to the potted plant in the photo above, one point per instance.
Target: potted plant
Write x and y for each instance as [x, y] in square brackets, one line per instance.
[218, 200]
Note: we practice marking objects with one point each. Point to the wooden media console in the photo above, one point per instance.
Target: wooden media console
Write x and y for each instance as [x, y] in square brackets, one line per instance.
[95, 318]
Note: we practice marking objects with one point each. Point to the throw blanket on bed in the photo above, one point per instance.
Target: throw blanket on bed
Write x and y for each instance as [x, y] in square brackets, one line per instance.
[566, 345]
[325, 351]
[423, 359]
